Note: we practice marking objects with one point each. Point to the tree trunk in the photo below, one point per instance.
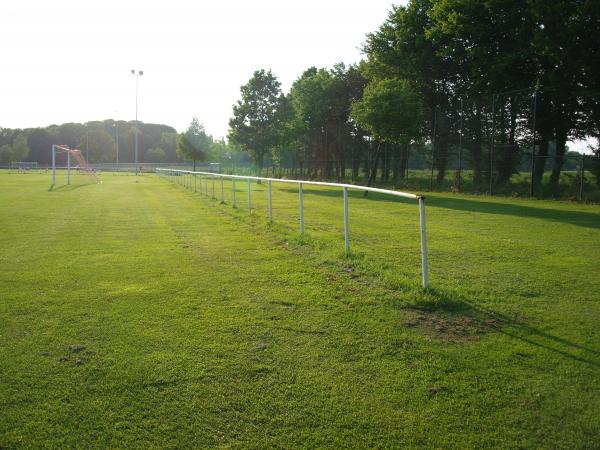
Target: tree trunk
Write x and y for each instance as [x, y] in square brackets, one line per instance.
[559, 159]
[373, 168]
[540, 163]
[509, 157]
[397, 170]
[475, 147]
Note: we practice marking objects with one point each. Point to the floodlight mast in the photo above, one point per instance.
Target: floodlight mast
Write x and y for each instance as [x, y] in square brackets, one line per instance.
[137, 74]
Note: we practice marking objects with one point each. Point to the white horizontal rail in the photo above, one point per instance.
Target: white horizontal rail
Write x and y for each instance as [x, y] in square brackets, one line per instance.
[304, 182]
[300, 183]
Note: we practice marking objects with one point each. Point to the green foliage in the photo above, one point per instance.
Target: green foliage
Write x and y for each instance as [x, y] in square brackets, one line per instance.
[16, 152]
[255, 123]
[391, 110]
[100, 146]
[73, 135]
[155, 155]
[194, 144]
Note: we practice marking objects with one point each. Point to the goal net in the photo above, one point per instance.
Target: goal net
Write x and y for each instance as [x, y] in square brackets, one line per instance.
[75, 160]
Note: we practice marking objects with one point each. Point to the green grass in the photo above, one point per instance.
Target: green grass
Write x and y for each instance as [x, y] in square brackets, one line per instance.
[197, 325]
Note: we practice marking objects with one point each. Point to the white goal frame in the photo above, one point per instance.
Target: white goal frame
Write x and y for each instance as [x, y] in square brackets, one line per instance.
[188, 179]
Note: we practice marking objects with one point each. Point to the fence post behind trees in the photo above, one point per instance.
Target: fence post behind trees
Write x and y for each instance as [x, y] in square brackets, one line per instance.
[582, 174]
[492, 144]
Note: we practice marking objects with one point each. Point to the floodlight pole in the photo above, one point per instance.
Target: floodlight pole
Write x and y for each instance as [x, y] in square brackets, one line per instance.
[137, 75]
[87, 143]
[117, 142]
[53, 165]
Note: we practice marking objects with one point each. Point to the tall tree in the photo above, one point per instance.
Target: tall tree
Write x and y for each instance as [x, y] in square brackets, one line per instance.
[391, 110]
[194, 144]
[255, 122]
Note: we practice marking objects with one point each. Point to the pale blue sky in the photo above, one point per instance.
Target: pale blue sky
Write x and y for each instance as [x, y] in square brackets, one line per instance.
[70, 60]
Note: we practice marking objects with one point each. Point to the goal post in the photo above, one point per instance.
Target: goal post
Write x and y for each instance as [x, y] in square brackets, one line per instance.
[77, 157]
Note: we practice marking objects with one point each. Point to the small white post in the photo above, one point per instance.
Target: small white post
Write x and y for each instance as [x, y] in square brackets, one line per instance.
[206, 185]
[425, 267]
[346, 228]
[301, 200]
[233, 190]
[249, 196]
[195, 182]
[270, 198]
[68, 167]
[213, 187]
[222, 191]
[53, 165]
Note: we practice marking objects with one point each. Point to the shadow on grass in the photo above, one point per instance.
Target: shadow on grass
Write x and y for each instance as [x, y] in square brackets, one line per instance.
[438, 301]
[506, 208]
[66, 187]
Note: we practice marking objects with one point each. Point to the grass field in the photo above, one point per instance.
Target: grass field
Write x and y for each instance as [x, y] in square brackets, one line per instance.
[136, 313]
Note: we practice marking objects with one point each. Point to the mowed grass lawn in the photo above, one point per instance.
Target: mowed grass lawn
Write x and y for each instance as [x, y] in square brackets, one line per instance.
[137, 313]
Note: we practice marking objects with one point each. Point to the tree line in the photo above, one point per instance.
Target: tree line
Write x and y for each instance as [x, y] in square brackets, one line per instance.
[508, 82]
[96, 139]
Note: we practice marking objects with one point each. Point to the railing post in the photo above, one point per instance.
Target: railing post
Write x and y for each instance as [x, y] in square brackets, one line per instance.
[233, 190]
[249, 195]
[425, 267]
[346, 228]
[222, 191]
[213, 187]
[195, 183]
[270, 198]
[301, 200]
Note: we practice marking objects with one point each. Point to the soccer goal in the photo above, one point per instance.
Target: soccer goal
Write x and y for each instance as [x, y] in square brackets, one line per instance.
[80, 163]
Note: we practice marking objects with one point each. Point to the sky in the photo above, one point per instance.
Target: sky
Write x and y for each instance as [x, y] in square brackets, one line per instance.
[70, 61]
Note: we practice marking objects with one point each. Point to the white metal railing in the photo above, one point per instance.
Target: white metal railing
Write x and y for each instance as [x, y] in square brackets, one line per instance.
[189, 179]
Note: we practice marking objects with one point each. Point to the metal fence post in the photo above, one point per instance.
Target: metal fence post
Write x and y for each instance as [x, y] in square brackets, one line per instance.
[581, 176]
[53, 165]
[213, 187]
[301, 200]
[222, 191]
[195, 183]
[346, 228]
[233, 190]
[270, 198]
[249, 195]
[425, 267]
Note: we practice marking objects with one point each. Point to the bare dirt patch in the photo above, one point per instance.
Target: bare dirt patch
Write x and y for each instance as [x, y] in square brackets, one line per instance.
[451, 327]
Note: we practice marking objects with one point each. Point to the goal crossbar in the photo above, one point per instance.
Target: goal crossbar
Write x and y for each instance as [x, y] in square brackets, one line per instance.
[189, 175]
[77, 156]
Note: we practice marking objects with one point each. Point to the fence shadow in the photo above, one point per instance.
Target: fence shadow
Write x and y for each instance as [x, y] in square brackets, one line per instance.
[453, 304]
[578, 218]
[506, 208]
[66, 187]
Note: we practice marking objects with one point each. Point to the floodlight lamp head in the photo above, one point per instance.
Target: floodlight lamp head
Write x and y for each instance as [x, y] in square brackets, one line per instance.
[132, 71]
[141, 72]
